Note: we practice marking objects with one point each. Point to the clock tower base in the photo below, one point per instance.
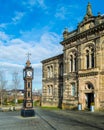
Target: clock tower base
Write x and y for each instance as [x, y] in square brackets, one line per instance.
[27, 112]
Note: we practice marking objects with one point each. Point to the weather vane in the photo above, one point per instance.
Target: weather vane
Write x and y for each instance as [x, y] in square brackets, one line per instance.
[28, 55]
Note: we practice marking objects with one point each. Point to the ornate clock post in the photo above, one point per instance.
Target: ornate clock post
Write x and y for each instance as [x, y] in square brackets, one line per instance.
[27, 110]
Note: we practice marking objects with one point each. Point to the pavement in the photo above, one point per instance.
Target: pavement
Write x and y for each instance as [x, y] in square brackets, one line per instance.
[52, 120]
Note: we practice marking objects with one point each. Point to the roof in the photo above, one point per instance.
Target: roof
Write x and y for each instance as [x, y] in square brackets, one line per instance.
[52, 58]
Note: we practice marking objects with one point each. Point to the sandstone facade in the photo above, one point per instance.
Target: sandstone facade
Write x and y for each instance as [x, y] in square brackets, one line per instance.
[77, 75]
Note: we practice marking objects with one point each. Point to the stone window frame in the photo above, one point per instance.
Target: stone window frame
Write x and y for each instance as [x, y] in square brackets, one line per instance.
[89, 56]
[50, 71]
[73, 93]
[89, 86]
[73, 61]
[50, 90]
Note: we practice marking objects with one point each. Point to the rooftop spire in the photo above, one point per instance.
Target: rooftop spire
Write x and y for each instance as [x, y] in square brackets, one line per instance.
[89, 11]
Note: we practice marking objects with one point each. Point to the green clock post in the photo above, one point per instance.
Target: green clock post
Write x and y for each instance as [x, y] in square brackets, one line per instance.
[27, 110]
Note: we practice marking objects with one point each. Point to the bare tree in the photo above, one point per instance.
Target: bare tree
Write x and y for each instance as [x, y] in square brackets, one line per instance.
[16, 83]
[3, 83]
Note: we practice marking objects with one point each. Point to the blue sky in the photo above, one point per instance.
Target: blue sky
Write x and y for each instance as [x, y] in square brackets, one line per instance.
[36, 26]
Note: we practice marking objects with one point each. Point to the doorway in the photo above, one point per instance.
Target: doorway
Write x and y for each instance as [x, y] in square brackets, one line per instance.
[89, 99]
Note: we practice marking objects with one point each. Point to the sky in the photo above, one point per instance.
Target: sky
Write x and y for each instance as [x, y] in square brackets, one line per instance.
[36, 26]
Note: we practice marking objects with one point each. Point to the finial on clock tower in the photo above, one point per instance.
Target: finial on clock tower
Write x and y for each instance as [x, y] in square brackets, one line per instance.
[28, 63]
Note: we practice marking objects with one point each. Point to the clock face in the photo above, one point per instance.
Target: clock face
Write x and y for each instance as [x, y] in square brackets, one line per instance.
[29, 73]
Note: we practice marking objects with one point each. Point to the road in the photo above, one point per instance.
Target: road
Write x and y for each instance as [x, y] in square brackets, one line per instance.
[52, 120]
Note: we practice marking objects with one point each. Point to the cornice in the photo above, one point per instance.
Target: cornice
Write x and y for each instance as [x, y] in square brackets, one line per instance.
[53, 79]
[87, 74]
[78, 35]
[52, 58]
[102, 72]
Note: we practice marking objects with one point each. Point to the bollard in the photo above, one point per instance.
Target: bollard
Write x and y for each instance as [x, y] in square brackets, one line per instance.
[79, 107]
[92, 108]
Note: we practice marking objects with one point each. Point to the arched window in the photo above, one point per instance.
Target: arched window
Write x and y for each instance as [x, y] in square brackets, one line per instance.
[75, 62]
[48, 90]
[89, 86]
[90, 61]
[61, 69]
[48, 71]
[87, 59]
[28, 84]
[51, 71]
[73, 89]
[71, 63]
[28, 94]
[92, 58]
[51, 90]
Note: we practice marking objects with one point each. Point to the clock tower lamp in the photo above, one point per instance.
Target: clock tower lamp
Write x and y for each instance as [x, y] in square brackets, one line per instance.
[27, 110]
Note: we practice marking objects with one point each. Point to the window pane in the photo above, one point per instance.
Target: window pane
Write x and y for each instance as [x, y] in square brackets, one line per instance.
[28, 94]
[92, 58]
[71, 63]
[87, 59]
[73, 89]
[28, 84]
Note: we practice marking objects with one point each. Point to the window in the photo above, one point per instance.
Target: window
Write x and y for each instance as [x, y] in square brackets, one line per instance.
[71, 63]
[92, 58]
[90, 61]
[87, 59]
[28, 84]
[51, 71]
[48, 90]
[61, 70]
[73, 89]
[75, 63]
[51, 90]
[48, 72]
[28, 94]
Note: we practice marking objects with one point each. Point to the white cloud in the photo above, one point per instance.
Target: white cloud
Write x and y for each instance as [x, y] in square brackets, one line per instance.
[3, 25]
[42, 3]
[16, 49]
[64, 12]
[18, 16]
[31, 3]
[3, 36]
[6, 64]
[13, 53]
[61, 12]
[37, 65]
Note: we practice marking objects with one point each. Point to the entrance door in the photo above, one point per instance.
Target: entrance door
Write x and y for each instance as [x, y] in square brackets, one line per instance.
[89, 99]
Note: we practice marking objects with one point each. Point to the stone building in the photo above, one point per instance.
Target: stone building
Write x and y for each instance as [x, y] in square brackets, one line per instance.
[81, 67]
[52, 81]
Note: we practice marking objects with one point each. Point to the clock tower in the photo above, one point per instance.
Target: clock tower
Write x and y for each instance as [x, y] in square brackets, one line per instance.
[27, 110]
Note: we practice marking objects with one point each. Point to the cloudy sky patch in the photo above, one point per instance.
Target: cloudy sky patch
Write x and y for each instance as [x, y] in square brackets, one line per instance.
[36, 26]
